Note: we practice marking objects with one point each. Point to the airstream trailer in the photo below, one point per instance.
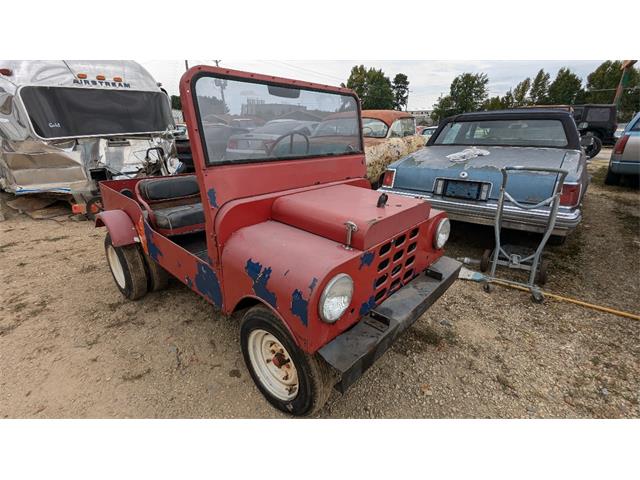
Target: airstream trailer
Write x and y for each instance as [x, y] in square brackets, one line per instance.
[65, 125]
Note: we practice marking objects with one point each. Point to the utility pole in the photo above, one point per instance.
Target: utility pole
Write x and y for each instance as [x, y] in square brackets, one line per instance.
[186, 64]
[624, 79]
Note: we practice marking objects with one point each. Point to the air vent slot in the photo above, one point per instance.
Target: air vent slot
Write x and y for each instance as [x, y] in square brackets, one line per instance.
[409, 261]
[380, 295]
[394, 285]
[396, 269]
[383, 264]
[400, 240]
[412, 247]
[414, 233]
[408, 274]
[380, 281]
[398, 255]
[384, 249]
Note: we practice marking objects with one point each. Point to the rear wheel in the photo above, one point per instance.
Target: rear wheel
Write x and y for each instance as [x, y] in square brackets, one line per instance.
[611, 178]
[290, 380]
[595, 147]
[158, 276]
[128, 269]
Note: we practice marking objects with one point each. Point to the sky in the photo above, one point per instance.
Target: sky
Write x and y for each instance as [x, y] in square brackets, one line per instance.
[427, 79]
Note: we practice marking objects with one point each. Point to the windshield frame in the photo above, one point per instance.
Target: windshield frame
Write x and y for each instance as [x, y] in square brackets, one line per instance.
[251, 79]
[33, 131]
[441, 131]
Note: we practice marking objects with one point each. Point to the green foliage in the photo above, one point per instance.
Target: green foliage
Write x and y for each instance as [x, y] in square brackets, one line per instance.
[602, 84]
[540, 88]
[565, 88]
[400, 91]
[520, 92]
[175, 102]
[468, 93]
[373, 88]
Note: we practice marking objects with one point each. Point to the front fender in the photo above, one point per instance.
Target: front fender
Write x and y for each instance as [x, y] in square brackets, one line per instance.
[120, 227]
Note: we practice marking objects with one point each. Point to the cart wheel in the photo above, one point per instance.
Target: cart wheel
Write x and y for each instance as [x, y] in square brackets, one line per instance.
[128, 270]
[541, 276]
[488, 287]
[291, 380]
[485, 261]
[158, 276]
[93, 207]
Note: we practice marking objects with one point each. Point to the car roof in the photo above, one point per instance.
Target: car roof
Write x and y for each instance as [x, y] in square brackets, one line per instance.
[513, 113]
[387, 116]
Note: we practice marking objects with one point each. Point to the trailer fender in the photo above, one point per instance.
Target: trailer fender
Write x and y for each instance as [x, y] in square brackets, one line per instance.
[119, 226]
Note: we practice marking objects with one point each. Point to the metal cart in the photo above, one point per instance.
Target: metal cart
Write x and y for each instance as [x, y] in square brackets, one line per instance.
[520, 257]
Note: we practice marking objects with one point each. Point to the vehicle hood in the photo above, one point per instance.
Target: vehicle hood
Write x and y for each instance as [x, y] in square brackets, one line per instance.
[325, 211]
[418, 171]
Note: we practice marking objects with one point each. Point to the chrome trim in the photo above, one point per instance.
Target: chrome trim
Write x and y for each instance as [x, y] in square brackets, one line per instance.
[433, 188]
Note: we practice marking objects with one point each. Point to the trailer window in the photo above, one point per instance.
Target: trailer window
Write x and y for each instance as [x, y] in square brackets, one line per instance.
[294, 122]
[64, 112]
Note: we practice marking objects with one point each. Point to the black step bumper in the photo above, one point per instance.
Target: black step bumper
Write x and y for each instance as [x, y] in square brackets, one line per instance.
[354, 351]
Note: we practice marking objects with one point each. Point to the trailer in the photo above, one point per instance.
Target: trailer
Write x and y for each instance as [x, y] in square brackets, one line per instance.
[66, 125]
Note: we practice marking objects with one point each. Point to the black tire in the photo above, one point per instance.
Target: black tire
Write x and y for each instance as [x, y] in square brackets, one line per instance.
[485, 260]
[315, 378]
[133, 283]
[594, 149]
[611, 178]
[158, 276]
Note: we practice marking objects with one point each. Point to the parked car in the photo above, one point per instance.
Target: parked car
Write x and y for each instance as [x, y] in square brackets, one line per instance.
[620, 130]
[258, 141]
[379, 125]
[467, 186]
[625, 157]
[286, 241]
[428, 131]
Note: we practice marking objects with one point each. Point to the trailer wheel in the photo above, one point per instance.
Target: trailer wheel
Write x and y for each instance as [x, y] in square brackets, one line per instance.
[128, 269]
[290, 380]
[158, 276]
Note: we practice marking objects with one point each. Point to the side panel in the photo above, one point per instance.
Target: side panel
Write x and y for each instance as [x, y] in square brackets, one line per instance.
[119, 226]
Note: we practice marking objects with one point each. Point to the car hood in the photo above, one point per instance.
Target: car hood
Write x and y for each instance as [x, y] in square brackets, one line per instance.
[325, 211]
[418, 171]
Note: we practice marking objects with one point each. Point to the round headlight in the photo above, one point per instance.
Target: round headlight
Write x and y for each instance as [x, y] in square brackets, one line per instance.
[336, 297]
[442, 233]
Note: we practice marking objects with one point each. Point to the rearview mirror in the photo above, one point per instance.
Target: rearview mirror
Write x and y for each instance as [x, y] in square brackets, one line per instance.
[284, 92]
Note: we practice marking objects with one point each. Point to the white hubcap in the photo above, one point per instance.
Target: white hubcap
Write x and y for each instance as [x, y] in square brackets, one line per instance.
[115, 266]
[273, 365]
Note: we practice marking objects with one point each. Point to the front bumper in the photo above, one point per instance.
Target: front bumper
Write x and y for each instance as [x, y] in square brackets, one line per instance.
[484, 213]
[354, 351]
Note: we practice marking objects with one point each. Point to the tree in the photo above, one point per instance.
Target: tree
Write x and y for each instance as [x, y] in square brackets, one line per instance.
[520, 92]
[540, 88]
[602, 84]
[175, 102]
[373, 88]
[469, 91]
[443, 108]
[400, 88]
[493, 103]
[565, 88]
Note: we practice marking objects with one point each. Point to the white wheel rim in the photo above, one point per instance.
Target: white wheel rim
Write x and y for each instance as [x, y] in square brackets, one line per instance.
[115, 266]
[273, 365]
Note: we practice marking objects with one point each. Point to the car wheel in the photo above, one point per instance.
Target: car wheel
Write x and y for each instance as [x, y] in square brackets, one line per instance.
[594, 149]
[158, 276]
[290, 380]
[485, 260]
[611, 178]
[128, 269]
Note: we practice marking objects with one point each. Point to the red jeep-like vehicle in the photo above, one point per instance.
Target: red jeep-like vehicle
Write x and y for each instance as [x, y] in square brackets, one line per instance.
[326, 271]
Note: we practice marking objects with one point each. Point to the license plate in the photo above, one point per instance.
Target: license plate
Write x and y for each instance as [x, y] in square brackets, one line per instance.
[468, 190]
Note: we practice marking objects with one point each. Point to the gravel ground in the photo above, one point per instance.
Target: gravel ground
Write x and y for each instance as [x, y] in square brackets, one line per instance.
[71, 346]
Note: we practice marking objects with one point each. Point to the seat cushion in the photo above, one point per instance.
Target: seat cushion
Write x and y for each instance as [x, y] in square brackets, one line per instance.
[167, 188]
[174, 218]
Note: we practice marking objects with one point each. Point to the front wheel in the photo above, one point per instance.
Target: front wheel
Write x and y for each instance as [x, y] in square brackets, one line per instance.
[128, 269]
[290, 380]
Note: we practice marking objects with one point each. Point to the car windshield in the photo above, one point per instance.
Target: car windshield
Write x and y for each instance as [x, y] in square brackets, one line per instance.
[525, 132]
[70, 112]
[374, 128]
[301, 119]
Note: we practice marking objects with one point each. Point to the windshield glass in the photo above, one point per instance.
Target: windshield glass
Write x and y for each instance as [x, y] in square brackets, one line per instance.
[66, 112]
[534, 133]
[296, 122]
[374, 128]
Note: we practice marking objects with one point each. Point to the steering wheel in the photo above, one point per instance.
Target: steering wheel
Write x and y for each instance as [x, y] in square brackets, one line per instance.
[367, 130]
[282, 137]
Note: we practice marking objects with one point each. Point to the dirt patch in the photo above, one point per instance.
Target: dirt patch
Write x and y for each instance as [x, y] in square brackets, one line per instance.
[71, 346]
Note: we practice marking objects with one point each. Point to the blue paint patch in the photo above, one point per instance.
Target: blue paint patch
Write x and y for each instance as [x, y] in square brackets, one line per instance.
[367, 306]
[300, 306]
[260, 277]
[366, 259]
[313, 284]
[207, 284]
[211, 193]
[154, 252]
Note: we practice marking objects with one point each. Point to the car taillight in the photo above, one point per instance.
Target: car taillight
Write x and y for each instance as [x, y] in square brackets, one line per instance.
[388, 178]
[570, 195]
[620, 144]
[232, 144]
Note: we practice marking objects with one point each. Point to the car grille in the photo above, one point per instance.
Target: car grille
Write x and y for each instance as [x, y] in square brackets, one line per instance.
[395, 263]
